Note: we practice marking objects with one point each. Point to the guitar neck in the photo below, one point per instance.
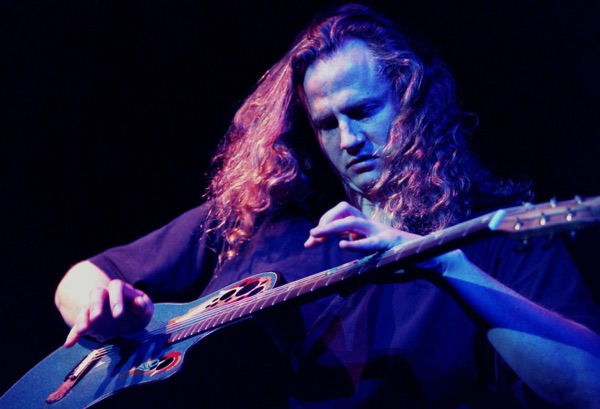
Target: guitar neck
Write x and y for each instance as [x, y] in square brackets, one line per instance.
[521, 222]
[423, 247]
[329, 280]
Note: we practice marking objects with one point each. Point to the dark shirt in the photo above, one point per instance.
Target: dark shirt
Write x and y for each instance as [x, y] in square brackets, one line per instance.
[406, 343]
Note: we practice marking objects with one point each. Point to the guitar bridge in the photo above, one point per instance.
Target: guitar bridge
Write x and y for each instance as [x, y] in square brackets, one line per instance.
[74, 376]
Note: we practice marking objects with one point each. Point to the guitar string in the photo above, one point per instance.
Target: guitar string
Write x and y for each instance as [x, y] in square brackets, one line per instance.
[250, 303]
[174, 328]
[273, 293]
[222, 311]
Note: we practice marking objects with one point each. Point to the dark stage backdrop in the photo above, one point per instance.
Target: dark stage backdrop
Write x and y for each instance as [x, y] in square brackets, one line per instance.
[112, 109]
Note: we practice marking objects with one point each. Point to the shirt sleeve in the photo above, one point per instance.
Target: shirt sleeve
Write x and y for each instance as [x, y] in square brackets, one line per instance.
[543, 271]
[173, 263]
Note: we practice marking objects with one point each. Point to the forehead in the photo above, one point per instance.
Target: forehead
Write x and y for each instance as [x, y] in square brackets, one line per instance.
[350, 72]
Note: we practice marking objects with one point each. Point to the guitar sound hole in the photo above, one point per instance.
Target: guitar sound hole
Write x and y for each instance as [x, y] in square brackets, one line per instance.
[227, 295]
[256, 291]
[165, 363]
[247, 288]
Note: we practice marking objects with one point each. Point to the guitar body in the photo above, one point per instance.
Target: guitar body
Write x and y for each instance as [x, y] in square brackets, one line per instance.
[90, 371]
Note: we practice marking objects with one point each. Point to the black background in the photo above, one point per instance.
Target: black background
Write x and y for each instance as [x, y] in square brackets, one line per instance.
[112, 109]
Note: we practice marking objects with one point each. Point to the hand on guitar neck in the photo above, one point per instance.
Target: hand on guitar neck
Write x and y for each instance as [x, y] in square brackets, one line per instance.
[360, 233]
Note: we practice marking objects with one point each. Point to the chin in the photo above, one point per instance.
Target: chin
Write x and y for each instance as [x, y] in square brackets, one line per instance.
[362, 187]
[366, 182]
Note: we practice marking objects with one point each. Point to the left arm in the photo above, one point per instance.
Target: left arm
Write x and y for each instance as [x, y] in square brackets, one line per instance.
[557, 358]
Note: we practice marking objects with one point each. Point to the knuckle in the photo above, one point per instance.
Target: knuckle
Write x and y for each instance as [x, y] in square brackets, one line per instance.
[343, 205]
[115, 284]
[95, 293]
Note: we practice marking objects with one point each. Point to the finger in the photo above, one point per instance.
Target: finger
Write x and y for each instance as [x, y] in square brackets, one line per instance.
[135, 300]
[72, 338]
[349, 224]
[352, 227]
[82, 322]
[96, 303]
[139, 303]
[340, 211]
[364, 244]
[116, 297]
[81, 325]
[313, 241]
[143, 305]
[383, 239]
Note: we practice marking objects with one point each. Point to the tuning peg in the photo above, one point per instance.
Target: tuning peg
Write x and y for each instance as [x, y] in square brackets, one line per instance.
[578, 199]
[553, 202]
[518, 225]
[569, 215]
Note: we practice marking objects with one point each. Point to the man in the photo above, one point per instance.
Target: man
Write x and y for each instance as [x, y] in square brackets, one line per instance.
[387, 124]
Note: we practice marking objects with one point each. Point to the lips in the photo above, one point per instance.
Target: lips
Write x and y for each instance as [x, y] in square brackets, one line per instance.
[362, 163]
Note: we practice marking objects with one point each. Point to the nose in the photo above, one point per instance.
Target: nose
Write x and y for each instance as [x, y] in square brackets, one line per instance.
[351, 137]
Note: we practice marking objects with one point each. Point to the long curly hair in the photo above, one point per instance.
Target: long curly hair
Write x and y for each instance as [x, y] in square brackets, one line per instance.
[269, 157]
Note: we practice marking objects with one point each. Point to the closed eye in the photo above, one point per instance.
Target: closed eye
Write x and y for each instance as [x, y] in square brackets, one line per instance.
[363, 111]
[357, 112]
[326, 124]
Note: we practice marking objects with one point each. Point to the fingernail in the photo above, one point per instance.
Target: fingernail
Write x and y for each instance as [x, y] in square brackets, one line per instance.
[117, 310]
[71, 338]
[140, 303]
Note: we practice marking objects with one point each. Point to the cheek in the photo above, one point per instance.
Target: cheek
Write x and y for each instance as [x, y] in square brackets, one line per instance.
[332, 152]
[382, 132]
[329, 147]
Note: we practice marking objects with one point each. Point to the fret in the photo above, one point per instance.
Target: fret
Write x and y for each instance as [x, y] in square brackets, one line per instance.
[209, 323]
[262, 305]
[288, 292]
[194, 329]
[189, 331]
[227, 316]
[330, 278]
[236, 313]
[247, 310]
[274, 300]
[279, 298]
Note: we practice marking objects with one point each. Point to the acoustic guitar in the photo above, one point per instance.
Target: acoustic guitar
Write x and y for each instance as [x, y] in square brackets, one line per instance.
[90, 371]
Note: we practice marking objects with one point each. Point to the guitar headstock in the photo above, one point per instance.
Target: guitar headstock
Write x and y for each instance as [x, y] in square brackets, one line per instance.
[530, 220]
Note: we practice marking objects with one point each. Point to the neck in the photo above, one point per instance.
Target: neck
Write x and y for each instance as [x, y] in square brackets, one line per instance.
[360, 201]
[370, 209]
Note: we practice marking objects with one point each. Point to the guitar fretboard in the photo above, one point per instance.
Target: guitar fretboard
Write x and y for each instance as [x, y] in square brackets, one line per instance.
[229, 313]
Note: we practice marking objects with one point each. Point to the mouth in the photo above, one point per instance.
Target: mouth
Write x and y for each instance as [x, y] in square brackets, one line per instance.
[362, 162]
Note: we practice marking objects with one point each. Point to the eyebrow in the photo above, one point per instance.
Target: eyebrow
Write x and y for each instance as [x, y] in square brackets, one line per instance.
[357, 105]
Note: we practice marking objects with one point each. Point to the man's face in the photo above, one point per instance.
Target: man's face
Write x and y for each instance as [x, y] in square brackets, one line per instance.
[351, 109]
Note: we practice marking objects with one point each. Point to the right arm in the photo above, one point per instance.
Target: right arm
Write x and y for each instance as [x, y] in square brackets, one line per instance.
[95, 304]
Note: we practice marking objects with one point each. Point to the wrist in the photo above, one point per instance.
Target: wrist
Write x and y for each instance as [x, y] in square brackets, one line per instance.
[449, 264]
